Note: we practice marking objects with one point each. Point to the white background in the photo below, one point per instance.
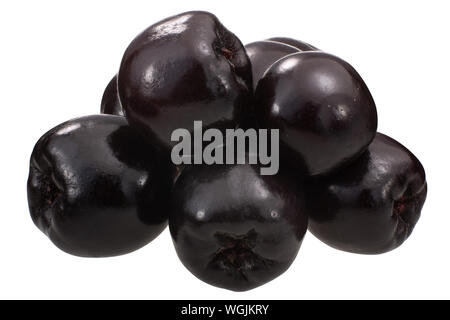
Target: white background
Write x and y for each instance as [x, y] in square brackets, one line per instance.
[56, 57]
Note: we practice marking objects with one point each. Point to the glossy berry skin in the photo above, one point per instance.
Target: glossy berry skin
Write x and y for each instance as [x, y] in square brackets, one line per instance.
[234, 228]
[372, 205]
[96, 188]
[303, 46]
[322, 107]
[263, 54]
[184, 68]
[110, 101]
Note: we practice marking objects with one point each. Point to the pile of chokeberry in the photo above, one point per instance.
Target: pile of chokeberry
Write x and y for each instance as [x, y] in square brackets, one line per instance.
[105, 185]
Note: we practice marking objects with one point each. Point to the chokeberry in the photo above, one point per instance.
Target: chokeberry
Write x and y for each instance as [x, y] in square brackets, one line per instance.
[185, 68]
[372, 205]
[263, 54]
[96, 188]
[234, 228]
[110, 101]
[322, 107]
